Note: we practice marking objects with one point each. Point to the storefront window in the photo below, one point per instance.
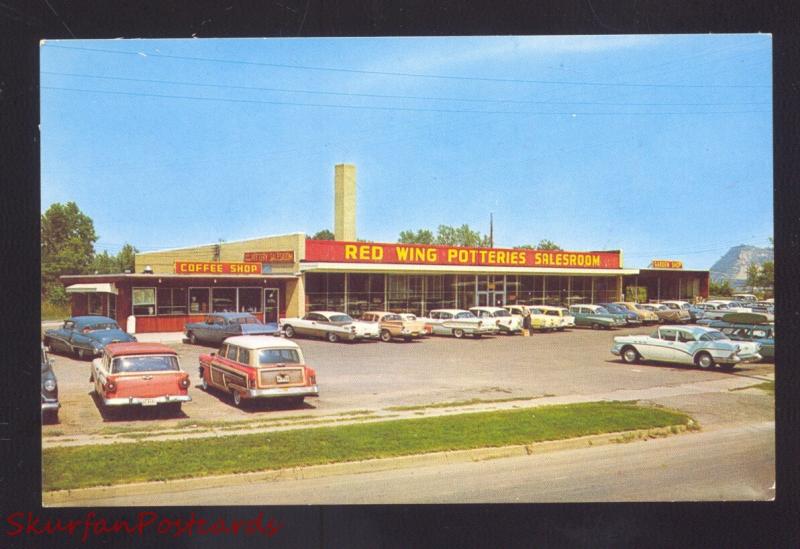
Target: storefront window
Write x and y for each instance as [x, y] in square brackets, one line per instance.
[199, 299]
[144, 301]
[325, 291]
[526, 293]
[405, 294]
[250, 300]
[465, 287]
[171, 301]
[223, 300]
[94, 305]
[112, 306]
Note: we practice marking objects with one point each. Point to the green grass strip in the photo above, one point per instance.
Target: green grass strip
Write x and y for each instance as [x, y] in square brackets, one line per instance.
[458, 403]
[77, 467]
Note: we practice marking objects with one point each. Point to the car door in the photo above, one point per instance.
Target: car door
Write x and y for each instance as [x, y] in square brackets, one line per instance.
[662, 347]
[60, 337]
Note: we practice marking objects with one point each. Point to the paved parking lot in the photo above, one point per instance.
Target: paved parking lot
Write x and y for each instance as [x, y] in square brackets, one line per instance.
[376, 375]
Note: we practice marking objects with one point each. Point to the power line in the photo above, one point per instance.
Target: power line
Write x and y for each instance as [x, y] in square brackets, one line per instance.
[385, 96]
[409, 75]
[403, 109]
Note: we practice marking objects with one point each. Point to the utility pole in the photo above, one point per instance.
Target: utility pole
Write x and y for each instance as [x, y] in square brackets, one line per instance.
[491, 229]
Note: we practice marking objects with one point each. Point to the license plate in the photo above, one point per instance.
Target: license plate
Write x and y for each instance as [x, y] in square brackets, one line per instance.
[149, 402]
[282, 378]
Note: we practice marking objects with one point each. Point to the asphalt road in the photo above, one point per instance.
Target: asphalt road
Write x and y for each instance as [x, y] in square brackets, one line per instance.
[378, 375]
[735, 463]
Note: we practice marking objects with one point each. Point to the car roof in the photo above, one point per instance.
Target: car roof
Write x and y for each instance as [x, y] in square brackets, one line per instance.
[449, 311]
[139, 348]
[697, 330]
[232, 315]
[262, 342]
[328, 313]
[91, 319]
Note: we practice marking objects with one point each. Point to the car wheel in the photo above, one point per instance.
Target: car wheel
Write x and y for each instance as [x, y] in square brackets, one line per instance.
[203, 382]
[237, 399]
[192, 338]
[288, 331]
[386, 337]
[458, 333]
[333, 338]
[704, 361]
[630, 355]
[595, 326]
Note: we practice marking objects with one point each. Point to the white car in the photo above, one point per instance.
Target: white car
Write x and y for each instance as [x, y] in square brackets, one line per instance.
[693, 345]
[504, 320]
[540, 320]
[330, 325]
[561, 314]
[457, 323]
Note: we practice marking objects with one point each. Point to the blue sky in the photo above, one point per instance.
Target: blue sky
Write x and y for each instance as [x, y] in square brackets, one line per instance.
[657, 145]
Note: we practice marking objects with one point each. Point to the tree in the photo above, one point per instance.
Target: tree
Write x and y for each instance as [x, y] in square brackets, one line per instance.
[107, 264]
[753, 275]
[720, 288]
[67, 247]
[422, 236]
[460, 236]
[324, 234]
[543, 244]
[126, 258]
[767, 275]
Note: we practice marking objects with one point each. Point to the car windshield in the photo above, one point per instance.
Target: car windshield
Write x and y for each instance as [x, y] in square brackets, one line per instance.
[535, 311]
[150, 363]
[245, 320]
[101, 326]
[614, 309]
[715, 335]
[601, 310]
[278, 356]
[341, 318]
[502, 313]
[465, 314]
[410, 317]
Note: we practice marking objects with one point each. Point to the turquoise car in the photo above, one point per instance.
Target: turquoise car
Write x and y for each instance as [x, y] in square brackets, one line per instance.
[596, 317]
[749, 327]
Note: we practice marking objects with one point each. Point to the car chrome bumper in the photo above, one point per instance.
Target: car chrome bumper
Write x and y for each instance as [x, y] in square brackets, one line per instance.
[130, 401]
[50, 405]
[311, 391]
[739, 359]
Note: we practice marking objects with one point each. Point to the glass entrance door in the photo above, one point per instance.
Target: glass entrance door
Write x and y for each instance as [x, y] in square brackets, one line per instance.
[271, 304]
[491, 291]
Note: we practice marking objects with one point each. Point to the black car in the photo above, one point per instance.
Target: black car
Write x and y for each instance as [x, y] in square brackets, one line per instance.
[50, 404]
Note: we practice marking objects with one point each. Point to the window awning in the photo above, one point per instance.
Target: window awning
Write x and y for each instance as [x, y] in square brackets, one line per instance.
[98, 287]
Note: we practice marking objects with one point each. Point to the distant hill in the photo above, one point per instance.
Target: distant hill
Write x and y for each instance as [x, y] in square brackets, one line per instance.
[733, 265]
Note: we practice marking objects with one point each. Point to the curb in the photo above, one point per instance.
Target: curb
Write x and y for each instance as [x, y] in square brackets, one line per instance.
[70, 498]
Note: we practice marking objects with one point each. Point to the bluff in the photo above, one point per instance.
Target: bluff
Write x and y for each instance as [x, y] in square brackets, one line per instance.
[733, 265]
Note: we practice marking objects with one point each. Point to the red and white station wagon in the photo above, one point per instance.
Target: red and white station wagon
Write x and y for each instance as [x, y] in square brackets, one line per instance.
[144, 374]
[259, 367]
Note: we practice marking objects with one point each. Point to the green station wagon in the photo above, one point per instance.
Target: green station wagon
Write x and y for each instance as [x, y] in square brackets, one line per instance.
[596, 317]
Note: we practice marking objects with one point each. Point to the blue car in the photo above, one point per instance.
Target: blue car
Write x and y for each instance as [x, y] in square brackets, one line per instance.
[217, 327]
[631, 317]
[85, 336]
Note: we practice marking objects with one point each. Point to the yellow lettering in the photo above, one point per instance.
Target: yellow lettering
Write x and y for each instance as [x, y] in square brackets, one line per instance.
[402, 254]
[559, 257]
[433, 256]
[492, 256]
[537, 258]
[452, 254]
[463, 256]
[377, 253]
[501, 257]
[572, 259]
[350, 251]
[596, 261]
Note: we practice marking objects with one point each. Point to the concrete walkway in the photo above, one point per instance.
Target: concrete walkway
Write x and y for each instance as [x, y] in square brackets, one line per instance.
[161, 337]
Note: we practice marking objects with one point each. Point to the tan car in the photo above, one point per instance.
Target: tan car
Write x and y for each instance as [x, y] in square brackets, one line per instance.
[665, 314]
[393, 326]
[647, 316]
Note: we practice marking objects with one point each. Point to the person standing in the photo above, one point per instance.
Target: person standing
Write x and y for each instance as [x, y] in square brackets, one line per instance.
[526, 321]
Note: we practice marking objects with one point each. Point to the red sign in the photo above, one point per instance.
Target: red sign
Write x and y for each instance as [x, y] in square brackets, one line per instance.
[270, 257]
[421, 254]
[217, 267]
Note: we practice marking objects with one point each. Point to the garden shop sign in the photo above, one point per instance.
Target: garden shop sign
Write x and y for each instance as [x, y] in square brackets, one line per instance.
[420, 254]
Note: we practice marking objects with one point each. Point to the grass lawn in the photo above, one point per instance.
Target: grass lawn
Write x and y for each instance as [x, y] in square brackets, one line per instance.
[458, 403]
[55, 312]
[76, 467]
